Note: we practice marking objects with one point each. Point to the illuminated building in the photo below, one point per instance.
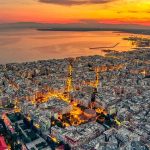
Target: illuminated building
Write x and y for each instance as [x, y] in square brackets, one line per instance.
[3, 145]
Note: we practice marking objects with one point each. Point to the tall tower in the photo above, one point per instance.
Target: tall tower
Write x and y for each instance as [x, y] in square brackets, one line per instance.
[69, 85]
[96, 83]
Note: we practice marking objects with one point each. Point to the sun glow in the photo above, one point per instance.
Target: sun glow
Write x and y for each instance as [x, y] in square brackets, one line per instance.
[113, 12]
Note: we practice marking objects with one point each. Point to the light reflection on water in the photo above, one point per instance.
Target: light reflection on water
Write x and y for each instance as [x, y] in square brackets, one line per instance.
[30, 45]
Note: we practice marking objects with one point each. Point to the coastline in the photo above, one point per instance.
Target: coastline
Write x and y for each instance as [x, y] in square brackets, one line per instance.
[110, 54]
[134, 31]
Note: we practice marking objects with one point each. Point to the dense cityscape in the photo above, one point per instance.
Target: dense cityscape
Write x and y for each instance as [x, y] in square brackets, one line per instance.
[84, 103]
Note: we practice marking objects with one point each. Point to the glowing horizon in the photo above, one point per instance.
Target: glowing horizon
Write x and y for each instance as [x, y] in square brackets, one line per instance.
[74, 11]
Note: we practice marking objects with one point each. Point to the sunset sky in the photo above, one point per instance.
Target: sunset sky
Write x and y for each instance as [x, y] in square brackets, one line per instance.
[74, 11]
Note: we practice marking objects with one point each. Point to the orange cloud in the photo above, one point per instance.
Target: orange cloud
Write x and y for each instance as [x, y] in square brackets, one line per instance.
[72, 11]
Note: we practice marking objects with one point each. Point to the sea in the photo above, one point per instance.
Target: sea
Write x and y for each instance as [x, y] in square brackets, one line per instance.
[24, 45]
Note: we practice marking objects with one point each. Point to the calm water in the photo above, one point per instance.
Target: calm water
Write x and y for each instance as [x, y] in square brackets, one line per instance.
[29, 45]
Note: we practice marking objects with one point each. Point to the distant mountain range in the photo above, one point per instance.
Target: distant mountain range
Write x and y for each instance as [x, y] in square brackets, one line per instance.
[81, 26]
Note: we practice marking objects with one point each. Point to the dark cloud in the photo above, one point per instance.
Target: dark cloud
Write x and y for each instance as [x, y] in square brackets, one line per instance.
[75, 2]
